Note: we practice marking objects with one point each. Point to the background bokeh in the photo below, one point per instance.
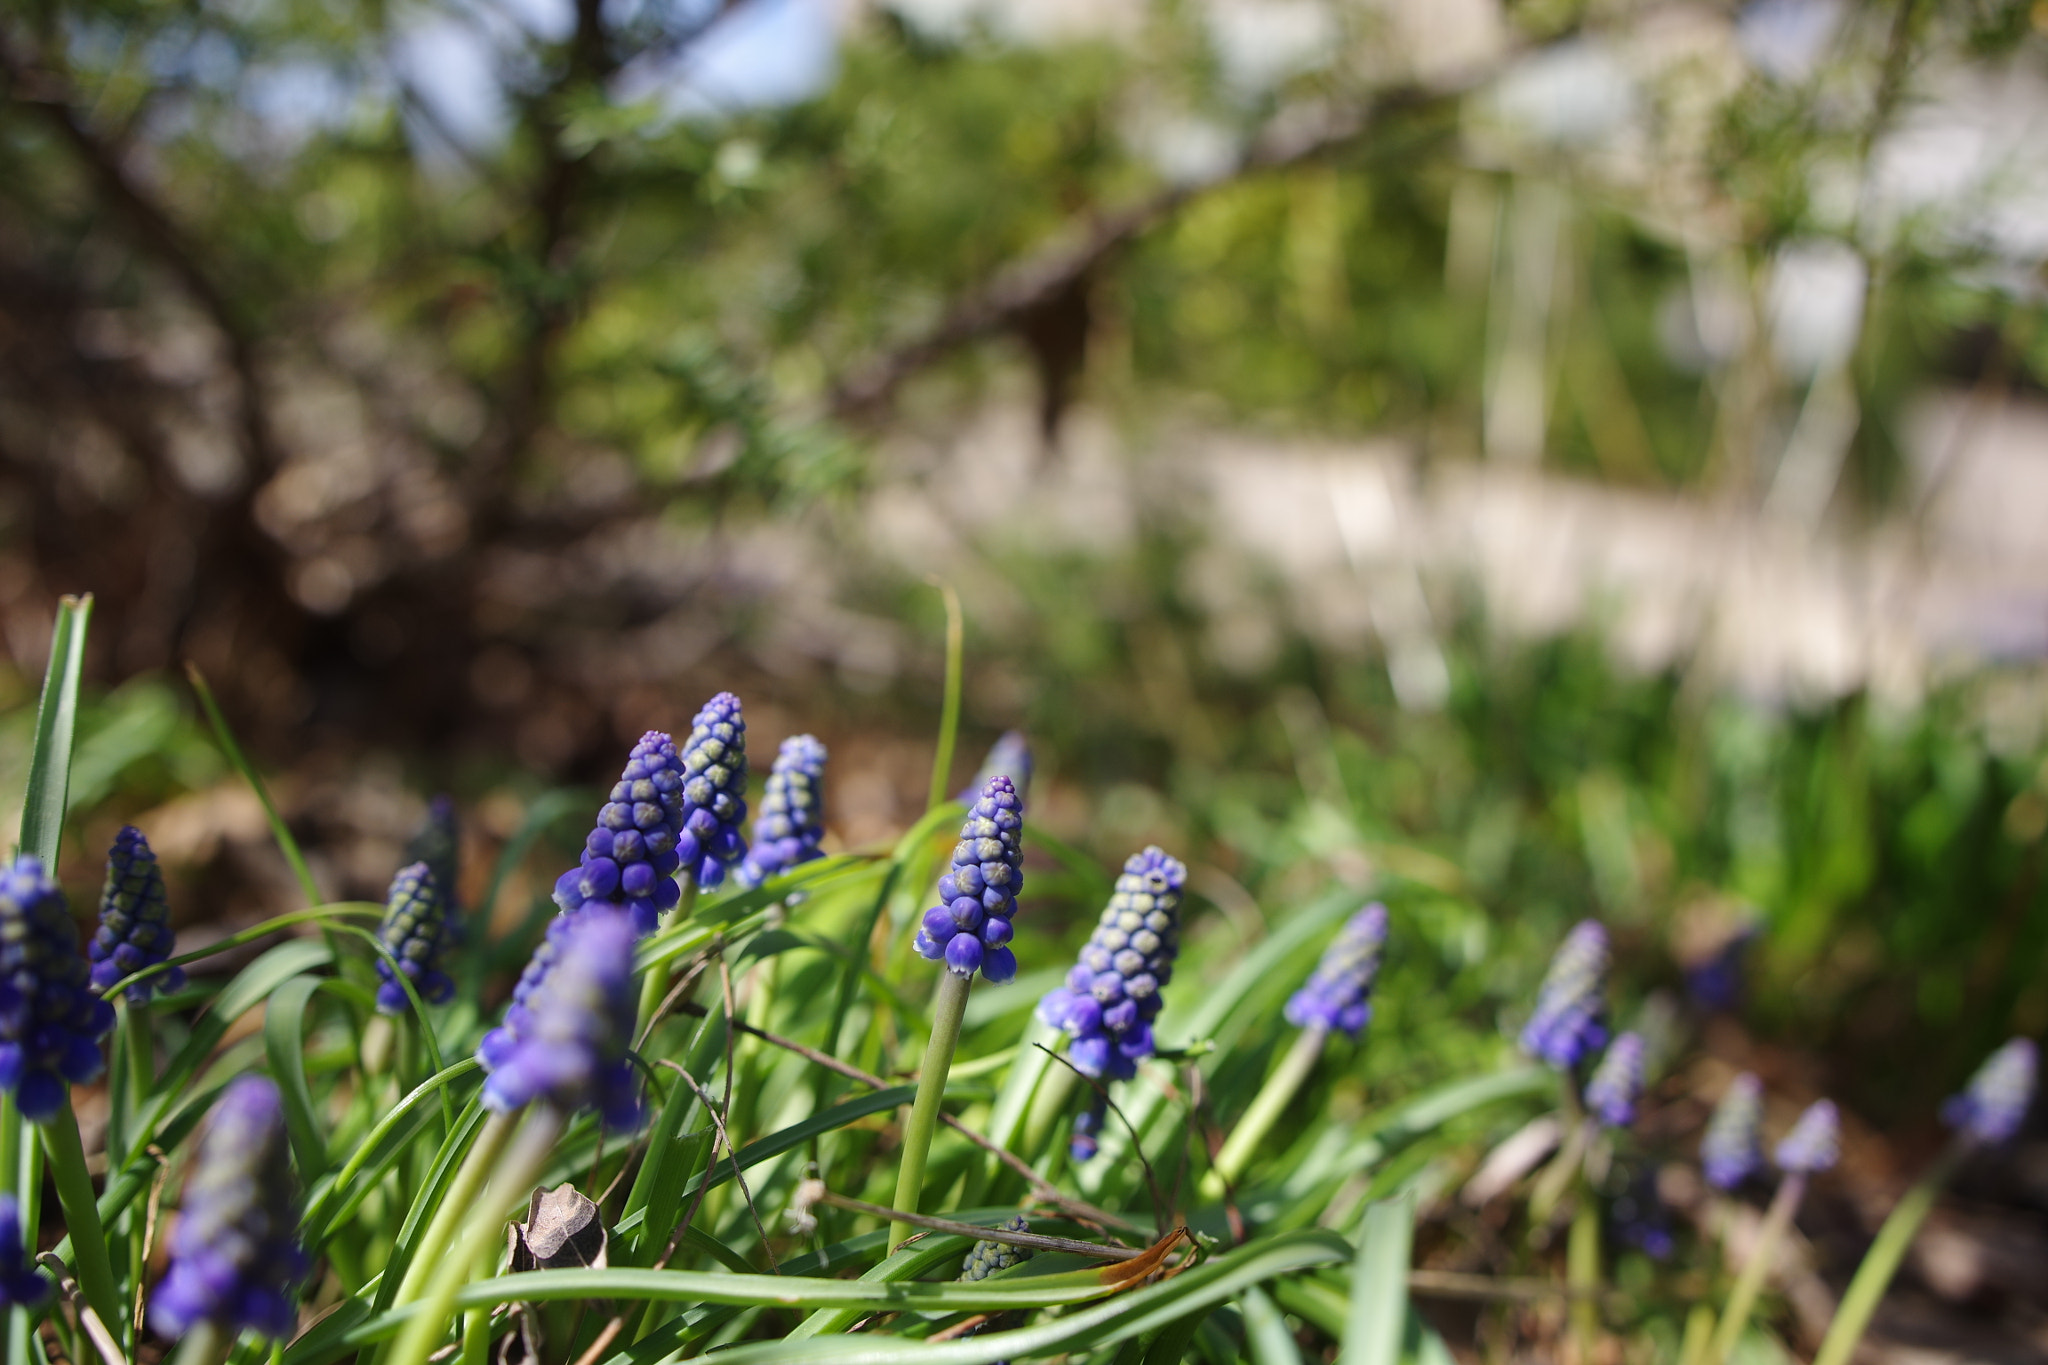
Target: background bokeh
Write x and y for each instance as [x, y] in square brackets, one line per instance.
[1561, 458]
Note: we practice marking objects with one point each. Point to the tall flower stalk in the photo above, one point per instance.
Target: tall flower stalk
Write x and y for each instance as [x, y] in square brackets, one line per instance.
[1813, 1146]
[134, 932]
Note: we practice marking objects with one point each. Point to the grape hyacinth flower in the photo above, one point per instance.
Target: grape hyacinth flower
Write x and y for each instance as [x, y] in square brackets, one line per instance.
[1617, 1083]
[21, 1284]
[419, 926]
[497, 1044]
[1009, 756]
[571, 1049]
[1732, 1149]
[1992, 1106]
[633, 853]
[1570, 1021]
[438, 844]
[1112, 993]
[1815, 1142]
[714, 791]
[969, 930]
[234, 1252]
[50, 1019]
[1338, 997]
[134, 930]
[989, 1257]
[791, 821]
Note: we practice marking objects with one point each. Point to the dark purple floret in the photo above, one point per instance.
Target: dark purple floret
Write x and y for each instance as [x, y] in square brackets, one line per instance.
[21, 1284]
[1992, 1106]
[571, 1043]
[438, 844]
[418, 930]
[1086, 1138]
[1732, 1149]
[1112, 994]
[714, 791]
[1009, 756]
[1339, 994]
[135, 921]
[1617, 1083]
[1570, 1022]
[969, 929]
[234, 1252]
[1814, 1143]
[791, 821]
[50, 1019]
[632, 855]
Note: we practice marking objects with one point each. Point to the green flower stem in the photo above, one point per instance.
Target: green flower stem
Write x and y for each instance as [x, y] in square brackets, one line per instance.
[462, 1193]
[141, 1059]
[81, 1213]
[1582, 1272]
[378, 1037]
[1762, 1256]
[1048, 1102]
[205, 1344]
[481, 1220]
[949, 1006]
[1881, 1262]
[1265, 1111]
[654, 986]
[1699, 1330]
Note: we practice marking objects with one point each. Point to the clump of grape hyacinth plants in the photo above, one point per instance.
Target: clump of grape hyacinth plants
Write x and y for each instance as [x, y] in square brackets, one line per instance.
[714, 791]
[234, 1252]
[1810, 1148]
[1570, 1022]
[1995, 1102]
[1617, 1083]
[1338, 997]
[50, 1019]
[969, 929]
[135, 921]
[418, 929]
[1112, 994]
[631, 857]
[1732, 1149]
[790, 823]
[21, 1284]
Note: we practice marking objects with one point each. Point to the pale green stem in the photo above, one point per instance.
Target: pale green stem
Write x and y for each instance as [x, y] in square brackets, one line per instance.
[1762, 1256]
[461, 1194]
[81, 1213]
[654, 986]
[1582, 1273]
[1881, 1262]
[476, 1337]
[1048, 1102]
[378, 1037]
[205, 1344]
[949, 1006]
[1699, 1329]
[1265, 1111]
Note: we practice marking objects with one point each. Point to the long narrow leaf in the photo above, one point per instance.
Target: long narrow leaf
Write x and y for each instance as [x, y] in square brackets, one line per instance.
[1379, 1285]
[49, 764]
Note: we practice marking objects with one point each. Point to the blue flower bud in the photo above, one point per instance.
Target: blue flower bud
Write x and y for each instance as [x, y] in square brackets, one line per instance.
[1339, 994]
[1570, 1022]
[1814, 1143]
[1617, 1083]
[438, 844]
[1992, 1106]
[418, 929]
[570, 1043]
[714, 791]
[50, 1020]
[234, 1252]
[990, 855]
[1732, 1149]
[21, 1284]
[1009, 756]
[1113, 993]
[135, 921]
[1085, 1140]
[791, 821]
[989, 1257]
[632, 855]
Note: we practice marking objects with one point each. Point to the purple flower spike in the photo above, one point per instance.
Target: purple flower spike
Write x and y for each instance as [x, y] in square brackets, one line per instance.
[1009, 756]
[632, 855]
[1570, 1022]
[569, 1047]
[791, 822]
[1112, 993]
[1732, 1149]
[418, 929]
[234, 1255]
[135, 921]
[1991, 1107]
[1617, 1083]
[1814, 1143]
[50, 1019]
[438, 844]
[714, 791]
[1339, 995]
[21, 1284]
[969, 929]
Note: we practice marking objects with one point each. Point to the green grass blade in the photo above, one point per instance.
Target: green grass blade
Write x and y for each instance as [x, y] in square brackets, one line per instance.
[281, 832]
[284, 1041]
[1379, 1285]
[949, 713]
[1265, 1331]
[49, 765]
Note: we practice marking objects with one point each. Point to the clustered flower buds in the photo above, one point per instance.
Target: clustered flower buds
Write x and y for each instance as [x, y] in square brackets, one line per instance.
[135, 921]
[1570, 1021]
[234, 1254]
[633, 853]
[1814, 1143]
[969, 929]
[1339, 995]
[989, 1257]
[21, 1284]
[1991, 1107]
[438, 844]
[1112, 993]
[1732, 1149]
[50, 1019]
[418, 928]
[1617, 1083]
[1009, 756]
[568, 1045]
[791, 821]
[714, 791]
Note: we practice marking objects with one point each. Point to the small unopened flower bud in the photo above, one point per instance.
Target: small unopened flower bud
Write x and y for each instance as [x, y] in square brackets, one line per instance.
[418, 930]
[969, 929]
[50, 1019]
[1992, 1106]
[987, 1258]
[1732, 1149]
[1086, 1138]
[1570, 1022]
[1814, 1143]
[714, 791]
[791, 821]
[1617, 1083]
[1339, 995]
[576, 1029]
[1113, 993]
[21, 1284]
[135, 921]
